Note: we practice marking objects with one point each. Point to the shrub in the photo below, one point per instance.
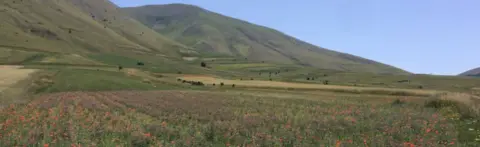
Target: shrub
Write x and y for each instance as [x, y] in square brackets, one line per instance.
[233, 85]
[251, 78]
[326, 82]
[398, 102]
[462, 104]
[179, 72]
[308, 79]
[140, 63]
[221, 84]
[120, 67]
[198, 83]
[203, 64]
[179, 80]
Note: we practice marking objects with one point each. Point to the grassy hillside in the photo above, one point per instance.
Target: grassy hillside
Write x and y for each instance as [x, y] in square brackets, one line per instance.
[212, 33]
[473, 72]
[30, 29]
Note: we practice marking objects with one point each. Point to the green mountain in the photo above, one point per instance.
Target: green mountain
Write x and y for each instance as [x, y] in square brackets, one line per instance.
[212, 33]
[473, 72]
[74, 29]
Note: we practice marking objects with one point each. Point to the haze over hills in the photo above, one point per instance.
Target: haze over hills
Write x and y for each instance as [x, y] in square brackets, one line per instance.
[472, 72]
[76, 27]
[212, 33]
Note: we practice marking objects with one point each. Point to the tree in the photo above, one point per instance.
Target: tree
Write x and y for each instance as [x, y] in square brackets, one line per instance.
[203, 64]
[308, 79]
[221, 84]
[233, 85]
[140, 63]
[120, 67]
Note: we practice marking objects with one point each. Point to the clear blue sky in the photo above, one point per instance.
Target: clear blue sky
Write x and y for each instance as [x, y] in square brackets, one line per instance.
[421, 36]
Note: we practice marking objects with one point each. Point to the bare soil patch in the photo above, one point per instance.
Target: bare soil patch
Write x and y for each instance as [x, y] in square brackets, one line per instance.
[10, 75]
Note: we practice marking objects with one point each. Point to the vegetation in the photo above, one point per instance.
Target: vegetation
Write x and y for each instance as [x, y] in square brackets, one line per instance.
[207, 32]
[127, 85]
[220, 119]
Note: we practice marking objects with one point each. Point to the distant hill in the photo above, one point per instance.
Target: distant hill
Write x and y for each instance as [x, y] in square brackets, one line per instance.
[76, 27]
[214, 34]
[473, 72]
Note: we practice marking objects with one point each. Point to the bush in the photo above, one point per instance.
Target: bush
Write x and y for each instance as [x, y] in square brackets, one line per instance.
[398, 102]
[120, 67]
[198, 83]
[233, 85]
[420, 87]
[251, 78]
[308, 79]
[179, 72]
[326, 82]
[221, 84]
[466, 111]
[179, 80]
[203, 64]
[140, 63]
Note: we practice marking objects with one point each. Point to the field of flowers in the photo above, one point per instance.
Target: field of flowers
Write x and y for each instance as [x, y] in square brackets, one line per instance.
[201, 118]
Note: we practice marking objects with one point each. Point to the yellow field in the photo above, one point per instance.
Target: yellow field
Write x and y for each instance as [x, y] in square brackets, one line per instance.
[276, 84]
[10, 75]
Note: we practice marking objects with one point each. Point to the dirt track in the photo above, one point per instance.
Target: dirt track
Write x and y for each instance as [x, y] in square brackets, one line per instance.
[10, 75]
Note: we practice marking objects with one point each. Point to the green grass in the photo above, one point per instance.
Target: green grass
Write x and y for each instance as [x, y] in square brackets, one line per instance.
[66, 27]
[11, 56]
[215, 35]
[92, 80]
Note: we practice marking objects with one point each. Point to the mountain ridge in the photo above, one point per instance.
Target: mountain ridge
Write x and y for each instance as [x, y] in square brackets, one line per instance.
[210, 32]
[77, 27]
[472, 72]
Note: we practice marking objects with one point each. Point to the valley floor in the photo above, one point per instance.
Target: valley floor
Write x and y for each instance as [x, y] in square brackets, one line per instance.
[105, 107]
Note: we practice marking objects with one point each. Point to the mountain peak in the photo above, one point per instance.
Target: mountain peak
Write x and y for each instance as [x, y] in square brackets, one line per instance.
[212, 33]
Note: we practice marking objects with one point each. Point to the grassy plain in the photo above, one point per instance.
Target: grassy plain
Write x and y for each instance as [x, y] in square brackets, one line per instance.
[135, 106]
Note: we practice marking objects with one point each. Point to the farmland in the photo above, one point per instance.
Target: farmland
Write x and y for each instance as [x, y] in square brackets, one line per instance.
[105, 106]
[199, 118]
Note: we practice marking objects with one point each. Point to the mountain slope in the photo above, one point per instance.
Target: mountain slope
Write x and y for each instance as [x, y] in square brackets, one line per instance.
[77, 27]
[212, 33]
[473, 72]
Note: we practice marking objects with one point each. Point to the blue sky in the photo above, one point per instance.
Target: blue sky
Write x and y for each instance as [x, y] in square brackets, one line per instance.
[421, 36]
